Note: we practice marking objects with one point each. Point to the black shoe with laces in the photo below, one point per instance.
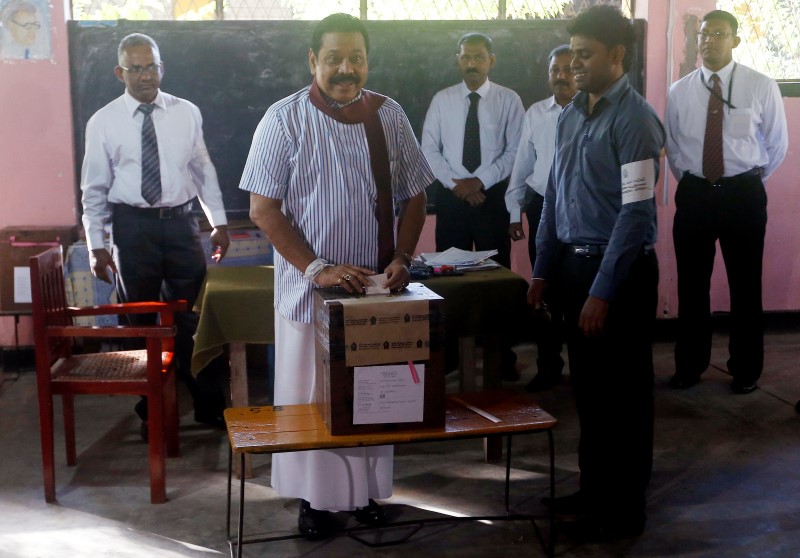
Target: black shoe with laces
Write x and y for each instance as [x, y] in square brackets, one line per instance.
[574, 504]
[315, 524]
[372, 514]
[743, 387]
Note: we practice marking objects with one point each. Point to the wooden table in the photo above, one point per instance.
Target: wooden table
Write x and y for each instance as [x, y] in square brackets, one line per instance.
[268, 430]
[236, 307]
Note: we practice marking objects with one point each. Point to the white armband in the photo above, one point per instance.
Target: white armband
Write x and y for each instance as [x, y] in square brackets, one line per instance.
[638, 181]
[314, 269]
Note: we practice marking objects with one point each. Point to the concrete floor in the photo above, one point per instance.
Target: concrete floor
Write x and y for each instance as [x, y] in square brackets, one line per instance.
[726, 480]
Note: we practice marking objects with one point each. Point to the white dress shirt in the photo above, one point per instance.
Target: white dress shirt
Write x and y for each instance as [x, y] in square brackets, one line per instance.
[754, 129]
[112, 166]
[500, 114]
[534, 155]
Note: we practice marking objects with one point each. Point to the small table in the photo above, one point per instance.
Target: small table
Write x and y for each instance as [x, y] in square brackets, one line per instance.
[268, 430]
[236, 307]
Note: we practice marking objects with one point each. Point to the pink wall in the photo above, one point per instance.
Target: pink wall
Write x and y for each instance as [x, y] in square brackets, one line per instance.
[38, 175]
[38, 181]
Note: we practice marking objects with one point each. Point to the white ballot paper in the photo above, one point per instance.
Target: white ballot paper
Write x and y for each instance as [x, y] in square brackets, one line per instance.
[376, 283]
[391, 393]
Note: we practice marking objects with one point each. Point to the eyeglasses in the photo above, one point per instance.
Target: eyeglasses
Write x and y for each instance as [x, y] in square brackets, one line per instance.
[28, 26]
[716, 35]
[150, 69]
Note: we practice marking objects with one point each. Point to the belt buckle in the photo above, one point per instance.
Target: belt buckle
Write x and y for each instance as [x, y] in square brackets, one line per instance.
[581, 250]
[164, 212]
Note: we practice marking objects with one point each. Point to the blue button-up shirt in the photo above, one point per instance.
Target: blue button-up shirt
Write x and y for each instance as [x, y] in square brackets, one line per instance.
[583, 201]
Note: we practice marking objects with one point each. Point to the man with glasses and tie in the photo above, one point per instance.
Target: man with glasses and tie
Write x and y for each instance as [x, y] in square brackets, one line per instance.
[726, 133]
[145, 162]
[470, 139]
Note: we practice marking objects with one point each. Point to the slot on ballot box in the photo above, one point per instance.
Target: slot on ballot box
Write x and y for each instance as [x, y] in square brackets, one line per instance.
[379, 360]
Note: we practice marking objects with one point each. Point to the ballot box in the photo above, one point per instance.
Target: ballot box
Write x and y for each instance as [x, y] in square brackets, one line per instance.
[379, 360]
[17, 245]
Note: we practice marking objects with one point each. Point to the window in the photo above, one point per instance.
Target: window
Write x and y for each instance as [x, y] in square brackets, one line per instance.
[314, 9]
[770, 32]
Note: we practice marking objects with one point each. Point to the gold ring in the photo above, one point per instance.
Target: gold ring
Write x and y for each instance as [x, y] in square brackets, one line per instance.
[347, 277]
[339, 282]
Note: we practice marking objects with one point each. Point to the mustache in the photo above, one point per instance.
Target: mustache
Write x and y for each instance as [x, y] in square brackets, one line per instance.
[345, 78]
[472, 71]
[561, 82]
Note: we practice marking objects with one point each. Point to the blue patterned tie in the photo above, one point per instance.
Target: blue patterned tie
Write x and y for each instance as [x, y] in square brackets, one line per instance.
[151, 169]
[471, 156]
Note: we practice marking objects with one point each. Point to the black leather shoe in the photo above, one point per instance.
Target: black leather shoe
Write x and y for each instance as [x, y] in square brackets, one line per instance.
[372, 514]
[743, 387]
[543, 381]
[315, 524]
[574, 504]
[682, 382]
[211, 419]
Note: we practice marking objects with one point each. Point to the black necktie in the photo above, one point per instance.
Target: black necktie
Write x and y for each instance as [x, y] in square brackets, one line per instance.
[471, 156]
[151, 169]
[713, 163]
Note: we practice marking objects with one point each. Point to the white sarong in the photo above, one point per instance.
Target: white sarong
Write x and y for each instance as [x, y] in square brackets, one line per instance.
[333, 480]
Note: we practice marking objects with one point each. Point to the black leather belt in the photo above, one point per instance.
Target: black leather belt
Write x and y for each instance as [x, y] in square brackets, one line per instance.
[597, 250]
[745, 177]
[587, 250]
[155, 212]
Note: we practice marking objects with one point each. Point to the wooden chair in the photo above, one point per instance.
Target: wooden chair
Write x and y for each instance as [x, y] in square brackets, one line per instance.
[146, 372]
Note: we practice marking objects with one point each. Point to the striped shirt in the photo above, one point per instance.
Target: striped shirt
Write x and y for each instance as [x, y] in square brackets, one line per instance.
[321, 170]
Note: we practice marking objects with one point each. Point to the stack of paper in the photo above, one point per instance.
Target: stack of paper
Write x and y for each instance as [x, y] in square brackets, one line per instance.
[461, 259]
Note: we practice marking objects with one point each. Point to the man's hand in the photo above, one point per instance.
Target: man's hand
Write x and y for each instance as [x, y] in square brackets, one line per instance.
[468, 189]
[536, 293]
[219, 243]
[351, 278]
[592, 320]
[515, 231]
[101, 261]
[397, 275]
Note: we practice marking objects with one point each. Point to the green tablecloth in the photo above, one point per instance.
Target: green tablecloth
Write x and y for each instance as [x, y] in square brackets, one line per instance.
[481, 302]
[236, 304]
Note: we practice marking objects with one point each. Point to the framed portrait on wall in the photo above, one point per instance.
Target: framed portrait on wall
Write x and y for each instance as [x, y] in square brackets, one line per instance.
[25, 30]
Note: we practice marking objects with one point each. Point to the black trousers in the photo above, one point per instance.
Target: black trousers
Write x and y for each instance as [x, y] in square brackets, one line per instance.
[612, 381]
[162, 259]
[735, 213]
[485, 227]
[549, 336]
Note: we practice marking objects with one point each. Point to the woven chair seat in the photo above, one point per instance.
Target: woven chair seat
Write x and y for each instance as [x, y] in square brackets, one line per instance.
[104, 367]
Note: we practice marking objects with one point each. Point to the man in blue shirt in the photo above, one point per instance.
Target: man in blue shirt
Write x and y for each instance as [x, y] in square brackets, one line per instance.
[595, 240]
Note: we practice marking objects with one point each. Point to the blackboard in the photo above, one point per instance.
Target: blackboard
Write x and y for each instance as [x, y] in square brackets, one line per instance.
[234, 70]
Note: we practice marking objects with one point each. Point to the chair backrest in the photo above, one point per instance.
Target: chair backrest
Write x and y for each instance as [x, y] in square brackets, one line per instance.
[49, 298]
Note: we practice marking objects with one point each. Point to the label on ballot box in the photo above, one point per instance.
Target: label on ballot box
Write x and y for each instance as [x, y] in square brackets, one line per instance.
[386, 328]
[379, 360]
[390, 393]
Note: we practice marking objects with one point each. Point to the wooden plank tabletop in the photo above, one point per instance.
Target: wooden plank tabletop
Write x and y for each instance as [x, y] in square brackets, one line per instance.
[300, 427]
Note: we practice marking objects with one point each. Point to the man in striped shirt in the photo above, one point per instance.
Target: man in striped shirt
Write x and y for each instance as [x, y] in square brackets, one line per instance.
[326, 169]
